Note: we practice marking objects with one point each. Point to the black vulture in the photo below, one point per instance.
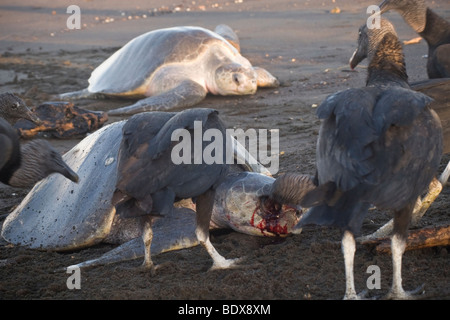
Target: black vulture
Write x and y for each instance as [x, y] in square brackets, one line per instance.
[430, 26]
[436, 31]
[24, 166]
[438, 90]
[380, 144]
[13, 109]
[150, 181]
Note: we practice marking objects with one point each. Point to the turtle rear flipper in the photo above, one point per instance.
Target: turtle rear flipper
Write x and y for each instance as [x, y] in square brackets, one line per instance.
[130, 250]
[186, 94]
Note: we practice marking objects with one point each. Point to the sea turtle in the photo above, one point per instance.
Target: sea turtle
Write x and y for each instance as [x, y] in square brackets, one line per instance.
[175, 67]
[58, 215]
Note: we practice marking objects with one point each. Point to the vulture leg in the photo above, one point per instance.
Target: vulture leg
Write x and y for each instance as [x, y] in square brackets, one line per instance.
[205, 204]
[348, 250]
[147, 237]
[398, 245]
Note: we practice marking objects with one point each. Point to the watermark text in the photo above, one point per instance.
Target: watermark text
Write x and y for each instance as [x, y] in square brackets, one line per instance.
[374, 21]
[73, 281]
[222, 149]
[74, 21]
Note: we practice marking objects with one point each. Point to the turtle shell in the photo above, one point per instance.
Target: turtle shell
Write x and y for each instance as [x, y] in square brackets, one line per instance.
[58, 214]
[128, 69]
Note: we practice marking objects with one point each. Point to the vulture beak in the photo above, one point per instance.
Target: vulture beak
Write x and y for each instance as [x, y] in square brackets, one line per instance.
[61, 167]
[32, 117]
[356, 58]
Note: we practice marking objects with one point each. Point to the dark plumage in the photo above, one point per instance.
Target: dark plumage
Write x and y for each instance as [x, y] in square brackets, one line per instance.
[13, 109]
[306, 192]
[439, 91]
[23, 167]
[149, 182]
[378, 145]
[430, 26]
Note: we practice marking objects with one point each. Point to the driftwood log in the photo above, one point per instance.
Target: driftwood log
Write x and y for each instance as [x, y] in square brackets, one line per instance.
[417, 239]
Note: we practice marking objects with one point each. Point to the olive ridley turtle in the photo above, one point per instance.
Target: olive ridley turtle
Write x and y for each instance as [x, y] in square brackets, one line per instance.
[62, 216]
[173, 68]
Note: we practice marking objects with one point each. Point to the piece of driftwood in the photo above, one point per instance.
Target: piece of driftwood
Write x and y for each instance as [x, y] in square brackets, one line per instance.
[412, 41]
[417, 239]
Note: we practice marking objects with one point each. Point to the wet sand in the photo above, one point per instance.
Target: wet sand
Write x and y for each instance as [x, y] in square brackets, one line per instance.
[307, 48]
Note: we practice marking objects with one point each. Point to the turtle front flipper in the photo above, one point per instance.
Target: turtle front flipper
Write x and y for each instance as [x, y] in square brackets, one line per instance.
[175, 231]
[244, 158]
[265, 79]
[81, 94]
[186, 94]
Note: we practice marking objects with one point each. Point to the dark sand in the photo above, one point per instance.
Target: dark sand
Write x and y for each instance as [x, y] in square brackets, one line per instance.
[301, 43]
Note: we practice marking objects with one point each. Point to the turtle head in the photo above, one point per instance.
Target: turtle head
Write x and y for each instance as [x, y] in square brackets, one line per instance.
[273, 218]
[234, 79]
[249, 208]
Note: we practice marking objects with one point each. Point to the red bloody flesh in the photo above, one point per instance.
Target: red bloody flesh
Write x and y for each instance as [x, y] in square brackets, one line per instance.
[271, 217]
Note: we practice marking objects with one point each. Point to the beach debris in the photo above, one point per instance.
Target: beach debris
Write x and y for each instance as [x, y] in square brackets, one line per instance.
[61, 120]
[417, 239]
[412, 41]
[335, 10]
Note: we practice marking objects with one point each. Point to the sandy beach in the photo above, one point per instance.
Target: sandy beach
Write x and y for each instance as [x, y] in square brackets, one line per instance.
[307, 46]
